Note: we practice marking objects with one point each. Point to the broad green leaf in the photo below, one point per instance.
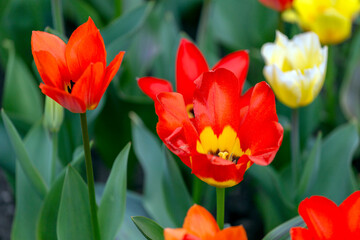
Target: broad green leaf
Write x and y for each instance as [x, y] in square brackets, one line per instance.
[311, 169]
[150, 229]
[282, 232]
[335, 178]
[152, 160]
[175, 188]
[117, 34]
[134, 207]
[74, 220]
[38, 146]
[30, 170]
[26, 109]
[47, 221]
[7, 154]
[80, 10]
[112, 206]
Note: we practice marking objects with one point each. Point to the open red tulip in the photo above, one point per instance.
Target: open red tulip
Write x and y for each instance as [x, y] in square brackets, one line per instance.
[278, 5]
[227, 133]
[327, 221]
[74, 74]
[199, 224]
[190, 64]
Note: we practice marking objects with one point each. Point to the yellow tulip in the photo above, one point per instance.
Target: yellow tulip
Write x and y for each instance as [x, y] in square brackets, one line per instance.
[295, 68]
[329, 19]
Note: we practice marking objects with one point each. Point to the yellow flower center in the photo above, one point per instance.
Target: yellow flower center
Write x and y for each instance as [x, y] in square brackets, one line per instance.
[226, 145]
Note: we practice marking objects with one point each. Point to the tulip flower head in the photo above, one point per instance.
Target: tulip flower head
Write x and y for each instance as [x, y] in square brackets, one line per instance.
[227, 133]
[331, 20]
[327, 221]
[199, 224]
[74, 74]
[190, 64]
[295, 68]
[278, 5]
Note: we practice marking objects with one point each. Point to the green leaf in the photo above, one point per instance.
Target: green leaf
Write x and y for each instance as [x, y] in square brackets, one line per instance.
[7, 154]
[80, 11]
[22, 155]
[134, 207]
[282, 232]
[311, 169]
[38, 146]
[176, 191]
[74, 213]
[335, 179]
[117, 35]
[112, 206]
[148, 152]
[26, 109]
[47, 221]
[150, 229]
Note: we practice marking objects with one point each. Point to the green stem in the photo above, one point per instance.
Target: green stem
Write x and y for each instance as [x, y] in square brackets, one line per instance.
[90, 177]
[295, 144]
[204, 18]
[220, 207]
[197, 190]
[281, 25]
[118, 7]
[58, 21]
[54, 155]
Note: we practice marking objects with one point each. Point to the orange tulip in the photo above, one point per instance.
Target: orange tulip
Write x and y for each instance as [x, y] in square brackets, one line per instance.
[327, 221]
[74, 74]
[199, 224]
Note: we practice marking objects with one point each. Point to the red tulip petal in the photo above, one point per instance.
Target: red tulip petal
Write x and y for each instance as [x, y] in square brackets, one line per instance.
[110, 73]
[278, 5]
[299, 233]
[351, 209]
[236, 62]
[217, 101]
[85, 46]
[216, 171]
[174, 126]
[55, 47]
[232, 233]
[152, 86]
[260, 131]
[191, 237]
[89, 84]
[48, 69]
[322, 217]
[199, 222]
[174, 234]
[72, 103]
[190, 64]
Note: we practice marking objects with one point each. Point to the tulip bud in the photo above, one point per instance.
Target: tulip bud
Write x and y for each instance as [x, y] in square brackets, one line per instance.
[295, 68]
[53, 115]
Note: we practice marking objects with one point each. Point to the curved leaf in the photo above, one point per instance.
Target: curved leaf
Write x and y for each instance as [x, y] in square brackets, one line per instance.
[150, 229]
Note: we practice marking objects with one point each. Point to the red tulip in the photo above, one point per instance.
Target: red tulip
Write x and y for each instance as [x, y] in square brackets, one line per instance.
[327, 221]
[228, 132]
[74, 74]
[190, 64]
[199, 224]
[278, 5]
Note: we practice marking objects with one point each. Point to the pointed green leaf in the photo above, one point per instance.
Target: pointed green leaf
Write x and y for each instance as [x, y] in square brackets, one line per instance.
[282, 232]
[175, 188]
[335, 178]
[112, 206]
[74, 222]
[151, 157]
[22, 156]
[150, 229]
[26, 109]
[310, 172]
[28, 202]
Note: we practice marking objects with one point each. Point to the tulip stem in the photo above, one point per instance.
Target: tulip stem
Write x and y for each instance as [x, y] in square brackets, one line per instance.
[90, 177]
[197, 190]
[295, 144]
[54, 155]
[58, 22]
[220, 206]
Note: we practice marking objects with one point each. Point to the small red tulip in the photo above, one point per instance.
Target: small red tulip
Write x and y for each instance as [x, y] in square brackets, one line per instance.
[278, 5]
[74, 74]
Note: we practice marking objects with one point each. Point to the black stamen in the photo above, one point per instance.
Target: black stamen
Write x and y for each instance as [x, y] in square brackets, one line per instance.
[69, 88]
